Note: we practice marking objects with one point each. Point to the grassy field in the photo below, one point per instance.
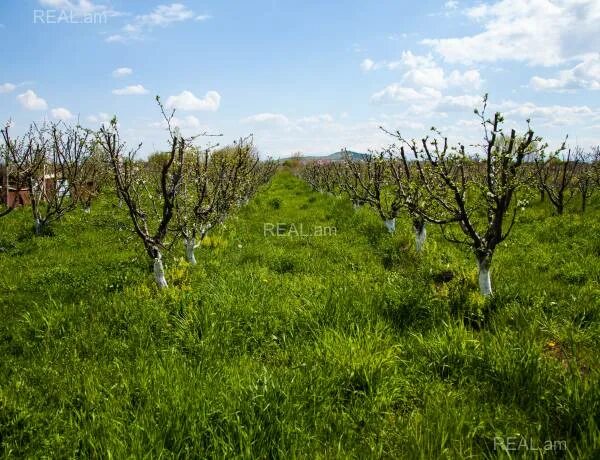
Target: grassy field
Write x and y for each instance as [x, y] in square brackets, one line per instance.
[346, 345]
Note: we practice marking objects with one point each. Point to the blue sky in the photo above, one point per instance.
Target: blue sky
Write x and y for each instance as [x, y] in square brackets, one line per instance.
[309, 76]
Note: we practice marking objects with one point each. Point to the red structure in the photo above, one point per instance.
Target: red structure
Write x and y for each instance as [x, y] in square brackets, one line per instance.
[10, 194]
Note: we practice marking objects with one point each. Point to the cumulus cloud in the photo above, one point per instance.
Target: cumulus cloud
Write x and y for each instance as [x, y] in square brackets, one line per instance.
[60, 113]
[268, 118]
[552, 115]
[398, 93]
[585, 75]
[31, 101]
[420, 71]
[185, 123]
[122, 72]
[101, 117]
[130, 90]
[309, 122]
[314, 119]
[161, 16]
[425, 101]
[367, 64]
[186, 100]
[539, 32]
[7, 87]
[78, 8]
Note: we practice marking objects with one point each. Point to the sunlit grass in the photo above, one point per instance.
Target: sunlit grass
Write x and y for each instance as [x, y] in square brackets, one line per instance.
[349, 345]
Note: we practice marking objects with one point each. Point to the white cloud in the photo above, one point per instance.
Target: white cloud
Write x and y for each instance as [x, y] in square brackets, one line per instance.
[539, 32]
[189, 121]
[269, 118]
[185, 123]
[79, 8]
[31, 101]
[101, 117]
[130, 90]
[425, 76]
[313, 119]
[585, 75]
[467, 79]
[464, 102]
[426, 100]
[421, 71]
[367, 64]
[122, 72]
[187, 101]
[398, 93]
[552, 115]
[60, 113]
[164, 15]
[115, 38]
[309, 123]
[161, 16]
[7, 87]
[451, 5]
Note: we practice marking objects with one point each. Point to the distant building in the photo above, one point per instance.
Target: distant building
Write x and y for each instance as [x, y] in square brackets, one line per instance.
[14, 195]
[11, 194]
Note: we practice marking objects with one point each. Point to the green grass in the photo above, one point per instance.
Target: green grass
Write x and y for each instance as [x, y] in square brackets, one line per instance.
[342, 346]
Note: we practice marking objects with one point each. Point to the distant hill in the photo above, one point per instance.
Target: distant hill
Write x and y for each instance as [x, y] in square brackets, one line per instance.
[334, 156]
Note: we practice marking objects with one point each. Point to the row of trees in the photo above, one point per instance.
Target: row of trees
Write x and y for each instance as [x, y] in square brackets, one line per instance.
[472, 197]
[177, 195]
[54, 168]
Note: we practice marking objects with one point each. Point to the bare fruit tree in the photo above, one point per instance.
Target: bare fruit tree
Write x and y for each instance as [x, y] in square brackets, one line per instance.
[321, 176]
[408, 190]
[150, 198]
[52, 163]
[24, 158]
[368, 181]
[587, 174]
[216, 181]
[482, 204]
[557, 174]
[207, 194]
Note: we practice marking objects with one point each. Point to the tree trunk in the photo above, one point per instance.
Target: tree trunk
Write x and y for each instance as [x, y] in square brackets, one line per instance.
[583, 202]
[190, 245]
[159, 273]
[38, 226]
[485, 283]
[390, 224]
[420, 235]
[87, 209]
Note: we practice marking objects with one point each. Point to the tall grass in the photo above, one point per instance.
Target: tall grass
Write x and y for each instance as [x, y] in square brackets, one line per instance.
[342, 346]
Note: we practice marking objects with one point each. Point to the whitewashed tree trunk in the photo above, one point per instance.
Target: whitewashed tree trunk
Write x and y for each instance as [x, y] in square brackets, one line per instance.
[190, 245]
[38, 226]
[87, 209]
[485, 282]
[355, 205]
[390, 224]
[420, 236]
[159, 273]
